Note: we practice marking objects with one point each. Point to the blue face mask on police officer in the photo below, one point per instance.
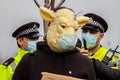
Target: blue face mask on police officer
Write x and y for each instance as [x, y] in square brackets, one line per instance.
[68, 42]
[90, 39]
[31, 46]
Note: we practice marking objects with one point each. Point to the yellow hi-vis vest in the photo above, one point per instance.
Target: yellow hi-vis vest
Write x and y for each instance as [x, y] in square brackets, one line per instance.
[101, 53]
[6, 72]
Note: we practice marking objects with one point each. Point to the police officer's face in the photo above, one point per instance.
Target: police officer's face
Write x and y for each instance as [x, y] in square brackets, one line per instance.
[23, 42]
[97, 33]
[94, 32]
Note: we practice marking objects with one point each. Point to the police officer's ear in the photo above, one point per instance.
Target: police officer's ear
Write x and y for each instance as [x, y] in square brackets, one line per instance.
[20, 41]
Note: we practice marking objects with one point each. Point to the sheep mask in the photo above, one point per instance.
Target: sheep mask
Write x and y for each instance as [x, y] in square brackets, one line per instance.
[62, 31]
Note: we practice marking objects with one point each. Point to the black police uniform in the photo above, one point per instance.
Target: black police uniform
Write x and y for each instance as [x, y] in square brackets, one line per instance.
[44, 60]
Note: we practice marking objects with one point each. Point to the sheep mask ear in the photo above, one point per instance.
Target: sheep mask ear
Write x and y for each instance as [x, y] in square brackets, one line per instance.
[82, 20]
[47, 14]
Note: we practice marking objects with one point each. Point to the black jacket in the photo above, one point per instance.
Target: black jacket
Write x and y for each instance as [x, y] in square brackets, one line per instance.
[103, 72]
[44, 60]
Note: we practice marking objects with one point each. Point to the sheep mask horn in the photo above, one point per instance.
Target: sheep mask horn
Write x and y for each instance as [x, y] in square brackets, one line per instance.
[62, 31]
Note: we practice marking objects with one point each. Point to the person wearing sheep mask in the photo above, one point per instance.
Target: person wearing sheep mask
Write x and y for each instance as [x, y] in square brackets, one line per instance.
[58, 55]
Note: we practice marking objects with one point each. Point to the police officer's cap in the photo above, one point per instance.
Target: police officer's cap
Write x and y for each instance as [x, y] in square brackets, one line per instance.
[27, 30]
[96, 22]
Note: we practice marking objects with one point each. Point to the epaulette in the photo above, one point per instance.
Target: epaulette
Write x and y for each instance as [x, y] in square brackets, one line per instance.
[8, 62]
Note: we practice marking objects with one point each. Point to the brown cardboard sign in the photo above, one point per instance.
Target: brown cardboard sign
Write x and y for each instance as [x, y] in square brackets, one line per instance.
[51, 76]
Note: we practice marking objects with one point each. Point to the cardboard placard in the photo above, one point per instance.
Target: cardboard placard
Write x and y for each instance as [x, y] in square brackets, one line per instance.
[51, 76]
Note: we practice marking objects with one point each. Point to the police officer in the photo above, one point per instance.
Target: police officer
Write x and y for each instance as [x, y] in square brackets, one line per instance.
[92, 34]
[26, 38]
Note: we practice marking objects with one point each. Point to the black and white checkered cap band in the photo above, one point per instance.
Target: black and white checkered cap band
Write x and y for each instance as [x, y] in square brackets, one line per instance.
[95, 23]
[27, 31]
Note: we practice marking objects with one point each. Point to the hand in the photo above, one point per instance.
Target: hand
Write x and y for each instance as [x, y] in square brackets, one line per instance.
[83, 52]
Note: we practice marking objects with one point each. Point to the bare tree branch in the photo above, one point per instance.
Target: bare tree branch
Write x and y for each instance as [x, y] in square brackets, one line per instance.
[46, 3]
[37, 3]
[45, 26]
[52, 4]
[61, 2]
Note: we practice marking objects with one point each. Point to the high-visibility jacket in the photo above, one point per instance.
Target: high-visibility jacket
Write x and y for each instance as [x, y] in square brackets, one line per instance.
[101, 53]
[7, 67]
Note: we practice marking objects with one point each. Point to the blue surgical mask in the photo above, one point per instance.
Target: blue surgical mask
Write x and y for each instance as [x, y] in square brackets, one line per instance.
[31, 46]
[68, 42]
[91, 40]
